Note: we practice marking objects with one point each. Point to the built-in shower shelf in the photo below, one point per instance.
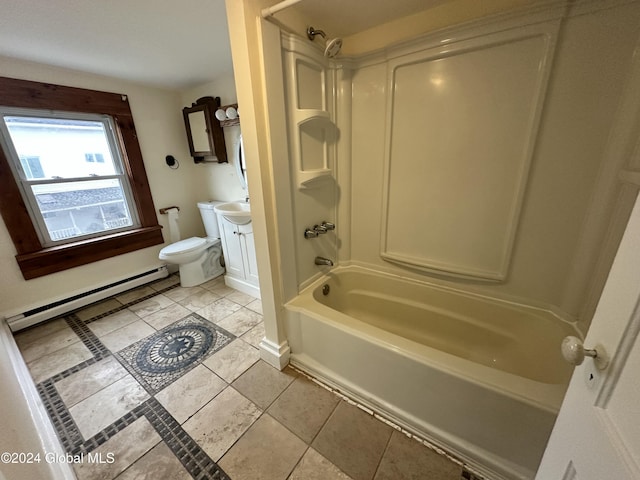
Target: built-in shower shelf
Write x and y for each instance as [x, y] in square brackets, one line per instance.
[315, 132]
[302, 116]
[310, 178]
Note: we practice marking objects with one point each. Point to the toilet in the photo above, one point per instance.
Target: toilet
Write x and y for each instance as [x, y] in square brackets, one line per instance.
[197, 258]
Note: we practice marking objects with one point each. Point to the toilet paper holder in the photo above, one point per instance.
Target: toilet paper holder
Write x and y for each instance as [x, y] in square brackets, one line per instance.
[164, 211]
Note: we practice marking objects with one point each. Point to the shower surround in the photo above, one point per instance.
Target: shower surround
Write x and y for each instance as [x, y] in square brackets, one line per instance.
[473, 158]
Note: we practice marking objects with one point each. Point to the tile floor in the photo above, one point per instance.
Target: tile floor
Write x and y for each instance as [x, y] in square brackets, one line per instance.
[165, 382]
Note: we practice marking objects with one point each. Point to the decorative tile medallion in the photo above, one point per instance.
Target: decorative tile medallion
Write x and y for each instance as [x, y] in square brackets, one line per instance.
[159, 359]
[167, 354]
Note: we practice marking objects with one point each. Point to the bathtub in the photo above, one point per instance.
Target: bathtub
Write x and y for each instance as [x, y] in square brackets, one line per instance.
[25, 429]
[481, 378]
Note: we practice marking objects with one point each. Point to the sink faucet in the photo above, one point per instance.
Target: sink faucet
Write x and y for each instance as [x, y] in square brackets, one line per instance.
[323, 261]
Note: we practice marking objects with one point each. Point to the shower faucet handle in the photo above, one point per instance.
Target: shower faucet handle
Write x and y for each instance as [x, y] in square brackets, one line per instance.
[309, 233]
[318, 229]
[329, 225]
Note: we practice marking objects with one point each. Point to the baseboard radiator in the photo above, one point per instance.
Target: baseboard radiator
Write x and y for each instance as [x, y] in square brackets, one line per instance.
[66, 305]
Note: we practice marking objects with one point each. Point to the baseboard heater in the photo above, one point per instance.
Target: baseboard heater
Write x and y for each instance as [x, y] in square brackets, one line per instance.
[60, 307]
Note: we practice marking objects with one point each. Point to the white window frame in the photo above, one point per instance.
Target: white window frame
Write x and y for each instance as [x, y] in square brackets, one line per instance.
[25, 184]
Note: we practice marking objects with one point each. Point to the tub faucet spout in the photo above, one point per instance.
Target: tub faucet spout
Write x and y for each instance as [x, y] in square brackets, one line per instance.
[323, 261]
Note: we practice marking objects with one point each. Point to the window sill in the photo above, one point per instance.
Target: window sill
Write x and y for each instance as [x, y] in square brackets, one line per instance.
[63, 257]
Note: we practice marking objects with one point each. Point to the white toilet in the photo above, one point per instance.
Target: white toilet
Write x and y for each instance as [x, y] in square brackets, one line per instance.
[198, 258]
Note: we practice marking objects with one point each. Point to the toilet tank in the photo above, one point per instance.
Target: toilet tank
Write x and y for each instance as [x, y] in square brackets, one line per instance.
[209, 218]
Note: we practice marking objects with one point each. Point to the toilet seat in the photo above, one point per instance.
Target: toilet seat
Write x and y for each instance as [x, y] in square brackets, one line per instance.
[184, 246]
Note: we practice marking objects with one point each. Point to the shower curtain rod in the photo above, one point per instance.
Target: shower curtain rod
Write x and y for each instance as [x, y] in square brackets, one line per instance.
[269, 11]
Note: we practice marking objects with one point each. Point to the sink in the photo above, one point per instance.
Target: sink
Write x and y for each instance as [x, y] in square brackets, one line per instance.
[238, 213]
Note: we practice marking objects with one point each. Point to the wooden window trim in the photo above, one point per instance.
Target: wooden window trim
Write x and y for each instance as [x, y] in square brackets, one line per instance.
[34, 259]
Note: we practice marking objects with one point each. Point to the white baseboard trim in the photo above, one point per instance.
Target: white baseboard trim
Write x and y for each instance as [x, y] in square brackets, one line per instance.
[79, 299]
[242, 286]
[275, 355]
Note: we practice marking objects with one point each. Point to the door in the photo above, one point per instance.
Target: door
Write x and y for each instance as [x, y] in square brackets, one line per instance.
[597, 433]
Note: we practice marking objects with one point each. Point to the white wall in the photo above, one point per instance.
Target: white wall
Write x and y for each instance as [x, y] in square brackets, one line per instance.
[219, 181]
[158, 118]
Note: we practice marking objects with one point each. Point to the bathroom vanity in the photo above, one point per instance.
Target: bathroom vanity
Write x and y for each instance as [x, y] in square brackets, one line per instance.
[236, 233]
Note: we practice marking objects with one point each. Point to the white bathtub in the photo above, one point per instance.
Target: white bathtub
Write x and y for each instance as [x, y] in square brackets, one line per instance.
[25, 429]
[482, 378]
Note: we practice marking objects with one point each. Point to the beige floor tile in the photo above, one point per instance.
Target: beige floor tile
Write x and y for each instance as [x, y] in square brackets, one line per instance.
[240, 322]
[90, 380]
[406, 459]
[220, 288]
[255, 305]
[103, 408]
[99, 308]
[135, 294]
[125, 336]
[167, 316]
[158, 463]
[314, 466]
[38, 332]
[112, 322]
[180, 293]
[232, 360]
[303, 408]
[262, 383]
[151, 305]
[221, 422]
[268, 451]
[219, 310]
[32, 348]
[58, 361]
[199, 300]
[125, 447]
[255, 335]
[189, 393]
[166, 282]
[353, 440]
[240, 298]
[213, 283]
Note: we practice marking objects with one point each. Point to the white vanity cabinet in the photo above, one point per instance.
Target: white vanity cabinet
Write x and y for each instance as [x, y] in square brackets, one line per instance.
[240, 256]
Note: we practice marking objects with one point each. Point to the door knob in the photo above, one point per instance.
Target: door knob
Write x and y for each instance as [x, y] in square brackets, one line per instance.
[574, 352]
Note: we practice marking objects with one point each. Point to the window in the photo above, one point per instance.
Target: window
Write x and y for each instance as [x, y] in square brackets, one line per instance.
[67, 198]
[73, 189]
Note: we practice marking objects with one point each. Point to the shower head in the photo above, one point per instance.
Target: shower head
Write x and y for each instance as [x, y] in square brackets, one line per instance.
[332, 45]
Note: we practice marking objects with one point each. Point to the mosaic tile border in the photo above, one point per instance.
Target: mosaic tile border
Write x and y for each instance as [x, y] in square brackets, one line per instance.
[192, 457]
[195, 460]
[95, 346]
[63, 423]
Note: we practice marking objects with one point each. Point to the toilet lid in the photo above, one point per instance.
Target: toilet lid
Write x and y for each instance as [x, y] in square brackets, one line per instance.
[184, 246]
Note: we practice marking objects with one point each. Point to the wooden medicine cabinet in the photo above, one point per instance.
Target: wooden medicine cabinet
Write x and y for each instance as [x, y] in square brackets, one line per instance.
[204, 132]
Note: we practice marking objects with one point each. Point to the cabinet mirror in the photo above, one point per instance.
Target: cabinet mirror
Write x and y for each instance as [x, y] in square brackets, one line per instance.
[204, 132]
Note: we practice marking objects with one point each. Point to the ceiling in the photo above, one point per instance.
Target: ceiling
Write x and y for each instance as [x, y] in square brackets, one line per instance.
[169, 44]
[341, 18]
